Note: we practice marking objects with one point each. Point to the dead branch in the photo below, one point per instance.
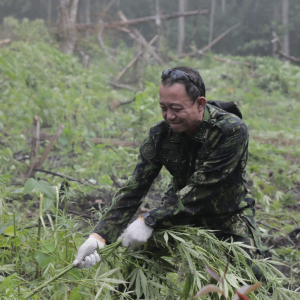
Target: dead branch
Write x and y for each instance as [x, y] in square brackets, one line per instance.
[122, 16]
[6, 41]
[201, 51]
[106, 8]
[122, 86]
[101, 28]
[278, 51]
[129, 65]
[99, 36]
[230, 61]
[123, 29]
[137, 36]
[39, 164]
[85, 59]
[114, 142]
[219, 37]
[126, 102]
[134, 60]
[146, 19]
[151, 50]
[35, 144]
[227, 60]
[58, 174]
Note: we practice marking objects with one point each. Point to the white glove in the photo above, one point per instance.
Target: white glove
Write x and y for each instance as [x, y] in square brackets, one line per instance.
[136, 234]
[87, 253]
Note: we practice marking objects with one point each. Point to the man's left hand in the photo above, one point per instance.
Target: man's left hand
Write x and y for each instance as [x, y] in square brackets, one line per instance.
[136, 234]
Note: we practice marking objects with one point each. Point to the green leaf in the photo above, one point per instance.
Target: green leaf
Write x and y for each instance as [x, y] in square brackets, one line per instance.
[166, 237]
[11, 75]
[41, 185]
[48, 247]
[144, 284]
[75, 295]
[10, 231]
[42, 258]
[187, 286]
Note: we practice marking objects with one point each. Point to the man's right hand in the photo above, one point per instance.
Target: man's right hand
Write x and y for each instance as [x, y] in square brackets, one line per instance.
[87, 253]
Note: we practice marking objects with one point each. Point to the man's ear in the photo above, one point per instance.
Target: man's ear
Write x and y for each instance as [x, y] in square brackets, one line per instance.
[201, 102]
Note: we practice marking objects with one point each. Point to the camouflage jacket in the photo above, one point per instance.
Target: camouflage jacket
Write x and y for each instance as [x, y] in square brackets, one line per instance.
[208, 186]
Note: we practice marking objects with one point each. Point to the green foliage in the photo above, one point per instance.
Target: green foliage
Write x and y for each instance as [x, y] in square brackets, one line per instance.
[25, 30]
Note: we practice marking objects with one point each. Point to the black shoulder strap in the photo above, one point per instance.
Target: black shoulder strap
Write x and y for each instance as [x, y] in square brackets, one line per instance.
[230, 107]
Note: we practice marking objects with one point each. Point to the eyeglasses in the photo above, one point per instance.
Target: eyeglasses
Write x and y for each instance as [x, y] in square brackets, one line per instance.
[180, 75]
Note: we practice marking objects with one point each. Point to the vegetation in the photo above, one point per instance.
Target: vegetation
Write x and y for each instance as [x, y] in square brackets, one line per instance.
[39, 235]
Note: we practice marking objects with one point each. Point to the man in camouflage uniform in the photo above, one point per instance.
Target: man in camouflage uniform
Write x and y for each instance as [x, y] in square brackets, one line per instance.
[205, 149]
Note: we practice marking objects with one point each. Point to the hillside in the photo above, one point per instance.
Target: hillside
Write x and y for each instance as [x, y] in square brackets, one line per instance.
[98, 148]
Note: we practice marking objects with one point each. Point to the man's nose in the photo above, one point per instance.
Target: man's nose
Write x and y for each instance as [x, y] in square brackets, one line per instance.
[170, 115]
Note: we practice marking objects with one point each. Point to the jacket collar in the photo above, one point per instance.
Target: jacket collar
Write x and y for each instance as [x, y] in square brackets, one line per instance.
[201, 132]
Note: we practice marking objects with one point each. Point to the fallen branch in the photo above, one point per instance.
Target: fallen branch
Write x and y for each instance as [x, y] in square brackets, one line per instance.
[134, 60]
[226, 60]
[6, 41]
[277, 42]
[115, 24]
[114, 142]
[39, 164]
[203, 50]
[107, 7]
[129, 65]
[143, 41]
[66, 177]
[59, 175]
[122, 86]
[219, 37]
[126, 102]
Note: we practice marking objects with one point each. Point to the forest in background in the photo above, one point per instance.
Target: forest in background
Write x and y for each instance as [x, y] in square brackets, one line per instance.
[94, 107]
[258, 20]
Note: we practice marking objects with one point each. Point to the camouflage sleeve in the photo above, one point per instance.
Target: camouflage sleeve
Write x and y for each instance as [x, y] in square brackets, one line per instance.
[214, 174]
[128, 198]
[168, 192]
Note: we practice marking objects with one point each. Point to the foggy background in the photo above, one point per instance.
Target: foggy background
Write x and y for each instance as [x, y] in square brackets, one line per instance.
[258, 20]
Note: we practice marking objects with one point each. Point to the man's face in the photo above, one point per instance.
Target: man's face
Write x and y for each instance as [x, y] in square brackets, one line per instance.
[178, 110]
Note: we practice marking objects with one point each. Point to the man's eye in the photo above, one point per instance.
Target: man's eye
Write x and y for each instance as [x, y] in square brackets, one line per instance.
[163, 108]
[177, 109]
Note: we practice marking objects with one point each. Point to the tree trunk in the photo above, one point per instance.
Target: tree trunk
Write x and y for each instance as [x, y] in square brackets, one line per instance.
[211, 21]
[285, 23]
[223, 7]
[158, 24]
[87, 11]
[49, 11]
[67, 16]
[181, 31]
[276, 14]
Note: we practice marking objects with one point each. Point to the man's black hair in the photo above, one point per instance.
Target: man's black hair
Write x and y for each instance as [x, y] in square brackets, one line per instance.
[191, 89]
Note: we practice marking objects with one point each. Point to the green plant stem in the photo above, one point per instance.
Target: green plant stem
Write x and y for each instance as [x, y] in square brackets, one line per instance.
[16, 249]
[106, 251]
[37, 275]
[69, 268]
